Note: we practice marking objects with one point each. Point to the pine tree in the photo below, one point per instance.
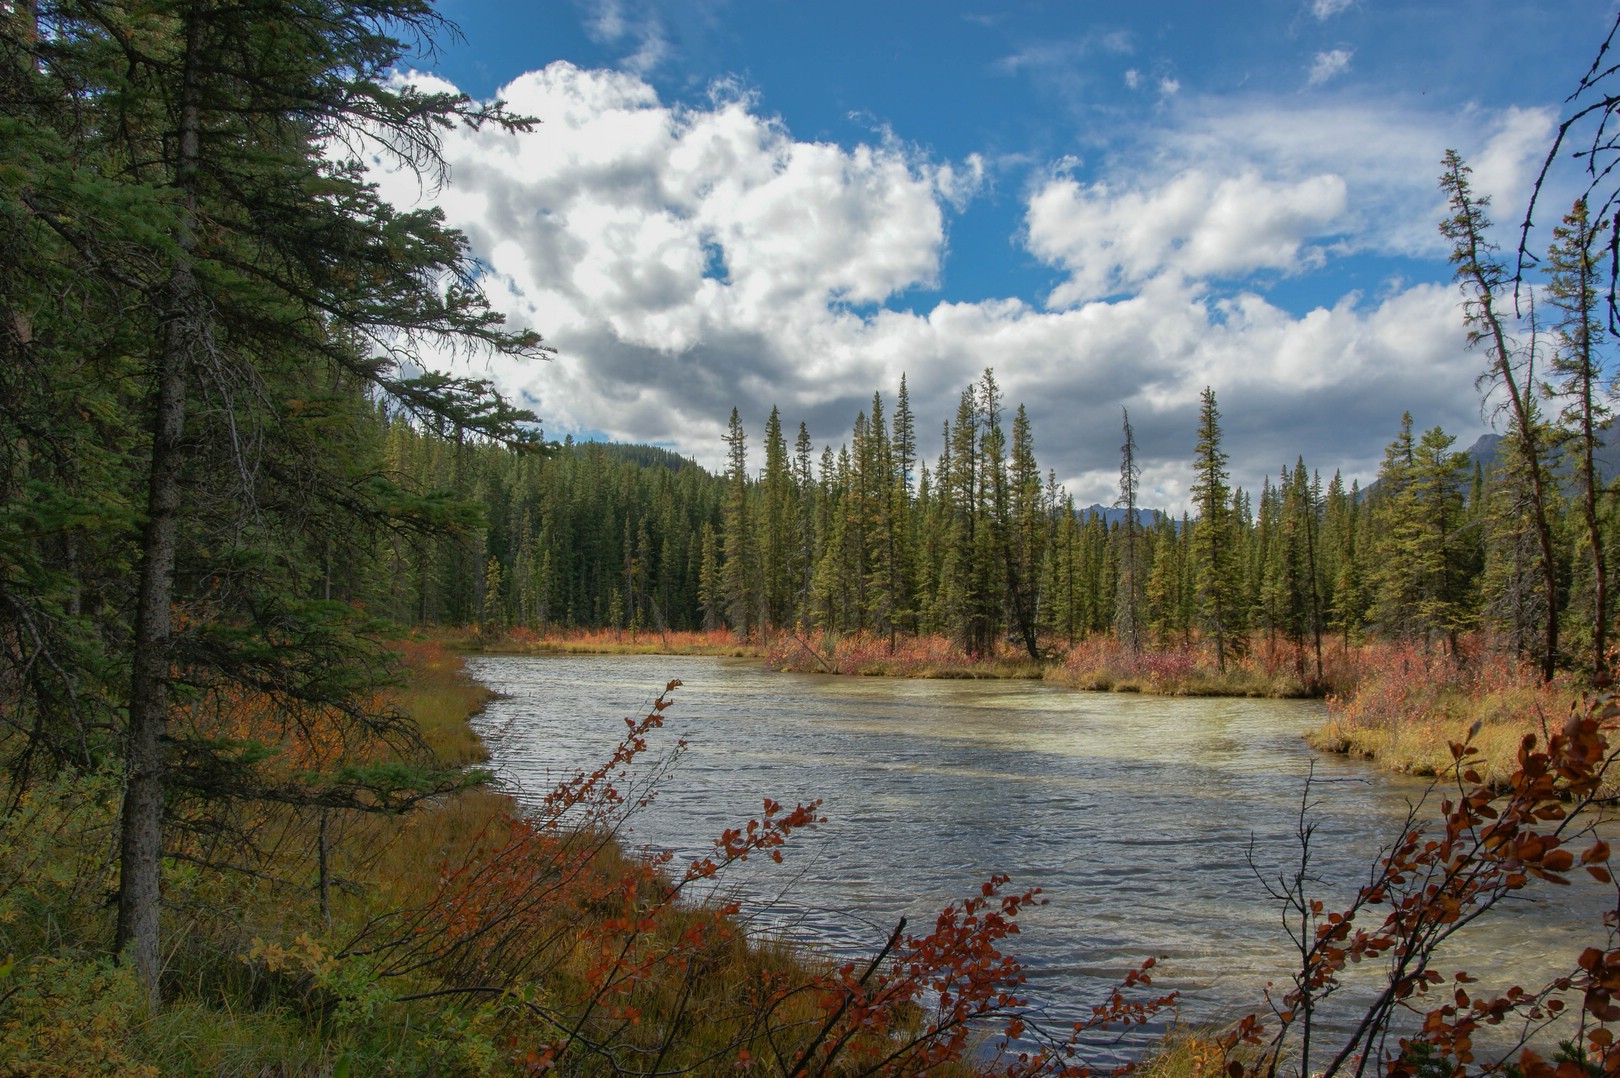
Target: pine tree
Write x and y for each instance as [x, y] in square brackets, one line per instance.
[903, 514]
[1000, 596]
[905, 436]
[876, 477]
[1270, 599]
[711, 580]
[1132, 574]
[1307, 503]
[1513, 600]
[1027, 533]
[737, 535]
[1166, 595]
[1572, 290]
[777, 526]
[225, 222]
[961, 592]
[1211, 539]
[1422, 581]
[1346, 603]
[804, 555]
[1482, 277]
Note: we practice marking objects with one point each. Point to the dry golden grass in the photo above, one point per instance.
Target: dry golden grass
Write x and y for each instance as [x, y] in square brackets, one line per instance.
[1412, 707]
[1184, 1054]
[719, 642]
[1421, 745]
[440, 698]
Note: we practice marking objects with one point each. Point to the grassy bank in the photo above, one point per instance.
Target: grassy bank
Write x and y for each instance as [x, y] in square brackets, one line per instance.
[719, 642]
[1098, 664]
[1399, 705]
[1106, 665]
[869, 655]
[1407, 705]
[464, 938]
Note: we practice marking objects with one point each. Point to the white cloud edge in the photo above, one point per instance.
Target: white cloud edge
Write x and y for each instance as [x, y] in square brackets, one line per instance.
[820, 342]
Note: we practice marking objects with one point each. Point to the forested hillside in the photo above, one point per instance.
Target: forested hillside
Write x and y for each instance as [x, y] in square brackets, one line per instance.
[981, 544]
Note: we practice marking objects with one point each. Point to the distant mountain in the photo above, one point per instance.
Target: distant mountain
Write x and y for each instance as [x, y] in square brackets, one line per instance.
[1112, 515]
[1487, 451]
[1488, 448]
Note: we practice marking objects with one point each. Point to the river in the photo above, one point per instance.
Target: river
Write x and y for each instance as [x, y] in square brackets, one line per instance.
[1143, 819]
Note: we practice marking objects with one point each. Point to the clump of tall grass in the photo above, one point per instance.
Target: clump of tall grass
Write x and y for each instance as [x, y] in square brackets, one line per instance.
[1185, 1053]
[1408, 704]
[880, 655]
[439, 699]
[1106, 664]
[628, 641]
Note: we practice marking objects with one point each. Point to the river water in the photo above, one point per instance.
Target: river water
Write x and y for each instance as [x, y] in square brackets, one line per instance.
[1143, 819]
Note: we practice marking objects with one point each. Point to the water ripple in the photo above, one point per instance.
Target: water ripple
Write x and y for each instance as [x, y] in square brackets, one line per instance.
[1138, 816]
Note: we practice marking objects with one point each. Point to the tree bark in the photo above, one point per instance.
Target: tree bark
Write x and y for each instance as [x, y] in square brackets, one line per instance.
[1472, 254]
[183, 336]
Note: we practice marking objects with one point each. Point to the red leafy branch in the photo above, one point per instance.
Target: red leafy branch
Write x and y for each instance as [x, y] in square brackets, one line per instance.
[1489, 843]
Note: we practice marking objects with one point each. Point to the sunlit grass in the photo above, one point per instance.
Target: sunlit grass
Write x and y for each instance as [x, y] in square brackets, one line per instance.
[519, 641]
[1184, 1053]
[1409, 705]
[1105, 664]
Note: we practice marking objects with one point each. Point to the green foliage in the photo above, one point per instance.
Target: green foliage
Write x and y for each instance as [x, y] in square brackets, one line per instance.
[1424, 553]
[61, 1018]
[1213, 536]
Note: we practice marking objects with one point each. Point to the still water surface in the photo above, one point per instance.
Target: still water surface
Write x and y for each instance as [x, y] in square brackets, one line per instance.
[1143, 819]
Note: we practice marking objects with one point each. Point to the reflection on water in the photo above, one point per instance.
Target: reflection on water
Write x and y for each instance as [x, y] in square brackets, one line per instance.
[1143, 819]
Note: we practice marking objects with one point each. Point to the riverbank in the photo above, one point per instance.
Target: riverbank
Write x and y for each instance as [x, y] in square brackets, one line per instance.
[1034, 775]
[462, 938]
[466, 937]
[1410, 705]
[1099, 664]
[1398, 705]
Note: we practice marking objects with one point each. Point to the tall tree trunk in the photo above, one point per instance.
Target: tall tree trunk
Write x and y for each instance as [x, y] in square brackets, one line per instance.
[1478, 270]
[184, 336]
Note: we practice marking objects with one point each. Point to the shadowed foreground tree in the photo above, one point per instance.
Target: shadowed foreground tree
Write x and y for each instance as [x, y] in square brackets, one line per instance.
[197, 166]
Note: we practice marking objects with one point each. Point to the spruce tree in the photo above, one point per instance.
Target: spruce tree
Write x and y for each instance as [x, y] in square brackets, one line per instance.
[1572, 290]
[1211, 539]
[1132, 574]
[777, 526]
[1482, 278]
[804, 553]
[737, 534]
[199, 167]
[1423, 565]
[1027, 534]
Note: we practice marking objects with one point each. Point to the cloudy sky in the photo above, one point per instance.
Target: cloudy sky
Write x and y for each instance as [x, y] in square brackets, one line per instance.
[748, 203]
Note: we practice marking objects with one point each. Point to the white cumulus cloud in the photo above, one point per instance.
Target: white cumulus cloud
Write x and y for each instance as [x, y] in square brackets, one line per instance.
[685, 260]
[1328, 65]
[1197, 224]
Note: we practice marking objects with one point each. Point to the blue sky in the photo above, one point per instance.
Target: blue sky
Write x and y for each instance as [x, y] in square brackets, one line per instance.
[757, 204]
